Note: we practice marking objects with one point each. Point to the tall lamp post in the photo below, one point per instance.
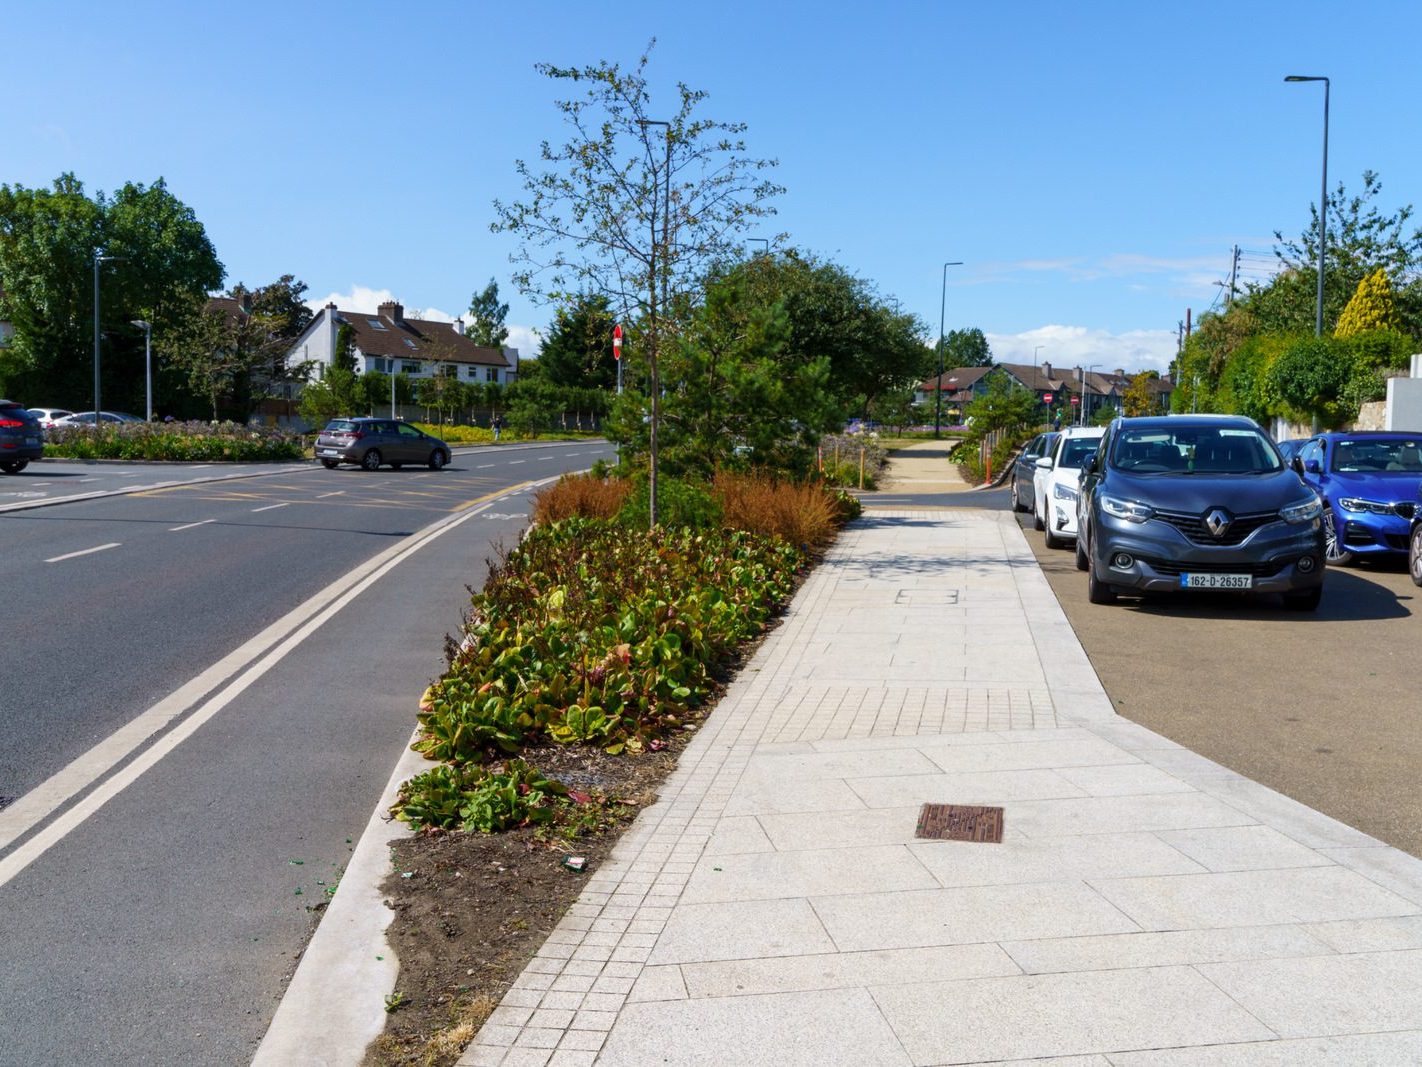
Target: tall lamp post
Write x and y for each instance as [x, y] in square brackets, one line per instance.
[98, 259]
[1081, 415]
[938, 385]
[763, 240]
[652, 361]
[1323, 196]
[147, 329]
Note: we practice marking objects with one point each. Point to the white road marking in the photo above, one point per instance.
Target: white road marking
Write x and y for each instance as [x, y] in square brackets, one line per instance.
[189, 526]
[41, 483]
[270, 507]
[338, 492]
[130, 474]
[82, 552]
[483, 466]
[513, 461]
[253, 660]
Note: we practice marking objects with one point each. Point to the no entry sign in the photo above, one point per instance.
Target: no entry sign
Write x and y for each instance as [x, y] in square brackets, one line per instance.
[1046, 398]
[617, 340]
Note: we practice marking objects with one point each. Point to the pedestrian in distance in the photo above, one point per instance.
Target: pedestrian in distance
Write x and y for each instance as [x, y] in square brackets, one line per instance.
[497, 424]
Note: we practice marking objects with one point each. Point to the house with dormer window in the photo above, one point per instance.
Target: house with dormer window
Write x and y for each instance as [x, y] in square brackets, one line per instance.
[390, 343]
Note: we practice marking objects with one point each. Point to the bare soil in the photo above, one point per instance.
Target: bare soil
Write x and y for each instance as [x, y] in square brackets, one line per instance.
[471, 908]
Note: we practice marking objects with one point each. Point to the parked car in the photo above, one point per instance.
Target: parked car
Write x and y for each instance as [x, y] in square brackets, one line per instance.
[47, 416]
[86, 418]
[1191, 502]
[374, 442]
[1290, 448]
[1414, 542]
[1024, 471]
[1368, 483]
[21, 437]
[1058, 474]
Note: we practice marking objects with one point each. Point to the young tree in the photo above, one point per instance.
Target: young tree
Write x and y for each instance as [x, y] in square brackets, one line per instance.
[487, 314]
[1371, 308]
[633, 207]
[966, 348]
[1138, 398]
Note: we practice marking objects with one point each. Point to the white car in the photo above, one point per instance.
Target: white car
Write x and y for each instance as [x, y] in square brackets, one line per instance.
[86, 418]
[47, 416]
[1057, 489]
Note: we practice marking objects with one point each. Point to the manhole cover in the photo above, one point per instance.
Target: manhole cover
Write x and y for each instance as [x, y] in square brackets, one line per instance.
[959, 822]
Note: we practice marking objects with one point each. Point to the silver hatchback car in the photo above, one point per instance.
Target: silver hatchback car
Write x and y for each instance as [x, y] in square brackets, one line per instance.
[372, 443]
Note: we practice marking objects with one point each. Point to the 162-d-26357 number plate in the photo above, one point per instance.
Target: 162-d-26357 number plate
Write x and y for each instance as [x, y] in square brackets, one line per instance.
[1216, 581]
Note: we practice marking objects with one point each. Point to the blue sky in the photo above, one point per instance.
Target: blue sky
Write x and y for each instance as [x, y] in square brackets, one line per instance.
[1091, 164]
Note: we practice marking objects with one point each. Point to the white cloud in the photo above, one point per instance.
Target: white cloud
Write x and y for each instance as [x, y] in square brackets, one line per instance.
[1078, 346]
[526, 339]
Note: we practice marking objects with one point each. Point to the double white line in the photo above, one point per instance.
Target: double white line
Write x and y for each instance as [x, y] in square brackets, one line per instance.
[248, 663]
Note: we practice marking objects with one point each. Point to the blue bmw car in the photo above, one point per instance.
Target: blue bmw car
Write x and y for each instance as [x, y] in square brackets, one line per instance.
[1369, 484]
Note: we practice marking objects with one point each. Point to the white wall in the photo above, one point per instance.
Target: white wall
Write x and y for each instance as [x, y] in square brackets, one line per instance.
[1404, 400]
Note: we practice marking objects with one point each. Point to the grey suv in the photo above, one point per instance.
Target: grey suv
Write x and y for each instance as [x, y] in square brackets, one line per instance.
[1191, 502]
[373, 442]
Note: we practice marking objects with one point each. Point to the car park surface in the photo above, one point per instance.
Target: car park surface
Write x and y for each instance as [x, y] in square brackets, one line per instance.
[1369, 486]
[371, 443]
[1197, 502]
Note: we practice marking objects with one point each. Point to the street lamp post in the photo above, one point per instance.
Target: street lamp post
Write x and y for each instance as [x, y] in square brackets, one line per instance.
[147, 329]
[938, 385]
[1323, 196]
[1081, 415]
[653, 353]
[763, 240]
[98, 259]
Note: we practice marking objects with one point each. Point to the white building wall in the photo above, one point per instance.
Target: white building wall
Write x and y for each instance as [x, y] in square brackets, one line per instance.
[1404, 400]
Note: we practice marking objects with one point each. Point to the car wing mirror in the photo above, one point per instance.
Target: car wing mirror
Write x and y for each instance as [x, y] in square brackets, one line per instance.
[1089, 467]
[1045, 463]
[1297, 464]
[1311, 465]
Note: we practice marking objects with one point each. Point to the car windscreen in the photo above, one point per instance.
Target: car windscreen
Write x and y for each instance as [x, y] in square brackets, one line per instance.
[1400, 455]
[1076, 449]
[339, 426]
[1194, 450]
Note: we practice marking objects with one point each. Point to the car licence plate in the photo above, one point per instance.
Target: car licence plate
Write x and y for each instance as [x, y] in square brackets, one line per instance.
[32, 440]
[1216, 581]
[328, 452]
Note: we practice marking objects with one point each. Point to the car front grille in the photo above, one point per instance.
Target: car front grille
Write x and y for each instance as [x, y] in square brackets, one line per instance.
[1174, 568]
[1239, 529]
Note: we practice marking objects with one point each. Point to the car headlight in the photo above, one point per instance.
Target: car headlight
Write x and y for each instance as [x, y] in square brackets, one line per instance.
[1130, 510]
[1063, 492]
[1357, 504]
[1303, 510]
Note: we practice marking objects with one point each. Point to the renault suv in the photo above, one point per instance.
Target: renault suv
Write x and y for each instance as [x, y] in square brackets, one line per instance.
[1197, 502]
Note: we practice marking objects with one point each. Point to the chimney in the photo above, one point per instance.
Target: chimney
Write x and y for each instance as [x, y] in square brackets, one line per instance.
[392, 310]
[459, 327]
[1120, 372]
[1047, 371]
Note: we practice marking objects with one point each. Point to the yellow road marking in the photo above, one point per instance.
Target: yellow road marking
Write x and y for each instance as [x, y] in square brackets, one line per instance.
[488, 496]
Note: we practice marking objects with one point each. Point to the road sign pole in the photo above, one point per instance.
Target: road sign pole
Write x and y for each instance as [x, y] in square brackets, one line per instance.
[617, 353]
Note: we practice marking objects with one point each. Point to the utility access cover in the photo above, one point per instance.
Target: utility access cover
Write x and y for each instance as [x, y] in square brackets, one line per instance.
[959, 822]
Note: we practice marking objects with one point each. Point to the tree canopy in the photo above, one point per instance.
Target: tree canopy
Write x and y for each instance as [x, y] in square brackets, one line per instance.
[487, 314]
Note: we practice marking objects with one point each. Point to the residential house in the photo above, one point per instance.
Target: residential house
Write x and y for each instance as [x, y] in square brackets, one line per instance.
[390, 343]
[1058, 389]
[960, 387]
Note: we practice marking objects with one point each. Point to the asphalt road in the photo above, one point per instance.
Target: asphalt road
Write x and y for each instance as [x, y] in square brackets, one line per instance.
[161, 928]
[1322, 707]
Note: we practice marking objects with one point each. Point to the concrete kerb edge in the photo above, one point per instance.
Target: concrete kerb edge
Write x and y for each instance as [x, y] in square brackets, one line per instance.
[334, 1005]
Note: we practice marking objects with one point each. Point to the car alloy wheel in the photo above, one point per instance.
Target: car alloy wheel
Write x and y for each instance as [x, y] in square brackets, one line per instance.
[438, 459]
[14, 466]
[1037, 523]
[1414, 555]
[371, 460]
[1332, 544]
[1050, 539]
[1081, 561]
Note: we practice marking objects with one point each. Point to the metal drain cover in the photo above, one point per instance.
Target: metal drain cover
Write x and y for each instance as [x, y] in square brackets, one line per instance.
[959, 822]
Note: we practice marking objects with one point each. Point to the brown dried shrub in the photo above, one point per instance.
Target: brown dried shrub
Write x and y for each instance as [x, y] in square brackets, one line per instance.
[582, 495]
[803, 513]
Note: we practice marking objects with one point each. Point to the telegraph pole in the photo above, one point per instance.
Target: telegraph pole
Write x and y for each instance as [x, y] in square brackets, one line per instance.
[1233, 276]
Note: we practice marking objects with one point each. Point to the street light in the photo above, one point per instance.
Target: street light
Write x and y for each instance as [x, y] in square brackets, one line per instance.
[97, 260]
[652, 359]
[1081, 415]
[938, 385]
[763, 240]
[147, 329]
[1323, 198]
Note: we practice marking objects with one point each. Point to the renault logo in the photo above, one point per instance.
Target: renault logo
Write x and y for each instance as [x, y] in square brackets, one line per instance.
[1217, 521]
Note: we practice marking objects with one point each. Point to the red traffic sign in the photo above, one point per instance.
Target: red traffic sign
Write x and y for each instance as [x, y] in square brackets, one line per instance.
[1075, 399]
[1046, 398]
[617, 340]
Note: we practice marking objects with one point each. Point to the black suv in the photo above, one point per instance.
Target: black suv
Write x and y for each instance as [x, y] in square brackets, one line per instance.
[373, 442]
[1190, 502]
[21, 437]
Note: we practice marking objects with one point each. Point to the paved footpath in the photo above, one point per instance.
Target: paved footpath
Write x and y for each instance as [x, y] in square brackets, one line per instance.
[1145, 906]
